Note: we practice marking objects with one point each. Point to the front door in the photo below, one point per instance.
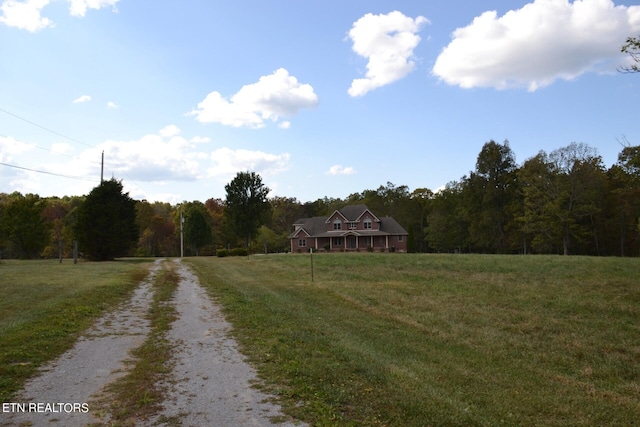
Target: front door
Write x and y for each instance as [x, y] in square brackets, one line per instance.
[351, 242]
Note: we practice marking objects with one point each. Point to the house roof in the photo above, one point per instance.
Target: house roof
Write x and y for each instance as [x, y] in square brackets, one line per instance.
[354, 212]
[317, 226]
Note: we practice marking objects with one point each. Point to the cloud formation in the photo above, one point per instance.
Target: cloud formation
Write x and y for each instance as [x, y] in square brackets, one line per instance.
[227, 162]
[270, 98]
[387, 41]
[81, 99]
[24, 15]
[27, 15]
[156, 157]
[341, 170]
[538, 44]
[79, 7]
[10, 147]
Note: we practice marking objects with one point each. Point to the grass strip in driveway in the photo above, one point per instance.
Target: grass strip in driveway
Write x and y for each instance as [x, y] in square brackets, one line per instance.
[413, 340]
[138, 395]
[45, 305]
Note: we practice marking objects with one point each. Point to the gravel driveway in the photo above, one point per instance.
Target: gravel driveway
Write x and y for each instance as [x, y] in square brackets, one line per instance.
[210, 384]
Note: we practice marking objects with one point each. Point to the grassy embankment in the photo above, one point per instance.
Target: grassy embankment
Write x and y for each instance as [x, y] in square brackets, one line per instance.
[44, 305]
[415, 340]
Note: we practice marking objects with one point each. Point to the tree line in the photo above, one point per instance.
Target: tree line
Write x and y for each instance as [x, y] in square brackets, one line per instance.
[562, 202]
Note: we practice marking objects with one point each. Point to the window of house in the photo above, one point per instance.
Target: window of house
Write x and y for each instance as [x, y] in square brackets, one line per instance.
[367, 224]
[400, 238]
[337, 224]
[337, 241]
[353, 226]
[302, 243]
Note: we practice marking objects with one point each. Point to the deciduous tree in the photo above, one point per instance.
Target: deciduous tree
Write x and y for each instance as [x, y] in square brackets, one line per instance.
[632, 48]
[197, 227]
[246, 205]
[23, 225]
[492, 192]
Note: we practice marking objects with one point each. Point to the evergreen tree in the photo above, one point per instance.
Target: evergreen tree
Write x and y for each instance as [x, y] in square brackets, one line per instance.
[106, 224]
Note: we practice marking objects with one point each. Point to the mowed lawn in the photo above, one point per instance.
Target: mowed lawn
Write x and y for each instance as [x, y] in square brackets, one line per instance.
[441, 340]
[44, 305]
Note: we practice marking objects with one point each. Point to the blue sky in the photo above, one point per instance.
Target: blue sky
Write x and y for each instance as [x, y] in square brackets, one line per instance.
[320, 98]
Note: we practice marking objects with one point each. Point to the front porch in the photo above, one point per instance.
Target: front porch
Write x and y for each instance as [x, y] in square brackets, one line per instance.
[352, 243]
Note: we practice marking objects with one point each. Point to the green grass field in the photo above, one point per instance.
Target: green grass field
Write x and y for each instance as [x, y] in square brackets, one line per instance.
[382, 339]
[44, 305]
[419, 340]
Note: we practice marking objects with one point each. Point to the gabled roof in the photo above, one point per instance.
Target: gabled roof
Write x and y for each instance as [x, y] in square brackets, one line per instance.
[353, 213]
[317, 226]
[391, 226]
[311, 226]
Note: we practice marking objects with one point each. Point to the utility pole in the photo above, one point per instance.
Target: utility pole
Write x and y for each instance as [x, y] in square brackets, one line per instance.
[102, 168]
[181, 235]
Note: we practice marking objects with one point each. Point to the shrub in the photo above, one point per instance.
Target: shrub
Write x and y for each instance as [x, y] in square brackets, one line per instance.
[239, 252]
[222, 253]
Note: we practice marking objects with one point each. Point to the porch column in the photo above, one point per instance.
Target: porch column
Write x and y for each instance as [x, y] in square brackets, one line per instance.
[316, 243]
[357, 243]
[387, 243]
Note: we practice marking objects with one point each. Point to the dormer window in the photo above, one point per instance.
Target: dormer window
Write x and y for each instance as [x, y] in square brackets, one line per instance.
[367, 224]
[337, 224]
[353, 225]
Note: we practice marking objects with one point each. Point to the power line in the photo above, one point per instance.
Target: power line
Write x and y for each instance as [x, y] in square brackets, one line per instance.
[80, 178]
[57, 153]
[45, 128]
[58, 134]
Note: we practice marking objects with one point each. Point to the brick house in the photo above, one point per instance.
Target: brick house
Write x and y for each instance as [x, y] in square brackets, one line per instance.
[352, 228]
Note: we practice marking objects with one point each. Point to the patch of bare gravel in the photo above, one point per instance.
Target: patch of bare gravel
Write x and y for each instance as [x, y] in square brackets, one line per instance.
[211, 384]
[98, 358]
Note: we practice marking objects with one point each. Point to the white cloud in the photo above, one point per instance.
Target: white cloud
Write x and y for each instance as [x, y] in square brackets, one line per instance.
[81, 99]
[273, 96]
[227, 162]
[169, 131]
[61, 148]
[152, 158]
[112, 105]
[533, 46]
[25, 15]
[10, 147]
[341, 170]
[284, 124]
[79, 7]
[200, 139]
[387, 41]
